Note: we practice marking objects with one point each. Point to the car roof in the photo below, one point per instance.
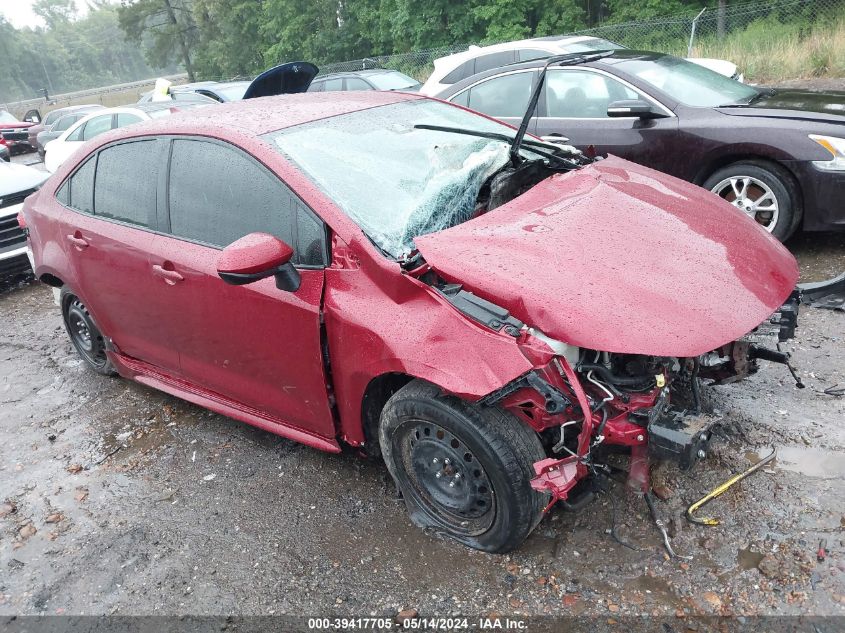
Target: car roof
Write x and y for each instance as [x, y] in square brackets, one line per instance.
[572, 39]
[255, 117]
[477, 51]
[614, 57]
[73, 108]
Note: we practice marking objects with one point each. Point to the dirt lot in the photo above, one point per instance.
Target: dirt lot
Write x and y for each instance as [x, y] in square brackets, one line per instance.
[118, 499]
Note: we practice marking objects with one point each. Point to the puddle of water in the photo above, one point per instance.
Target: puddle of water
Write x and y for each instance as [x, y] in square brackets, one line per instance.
[747, 559]
[813, 462]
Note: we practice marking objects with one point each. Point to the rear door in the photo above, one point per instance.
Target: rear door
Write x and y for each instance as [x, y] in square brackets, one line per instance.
[114, 196]
[254, 344]
[574, 104]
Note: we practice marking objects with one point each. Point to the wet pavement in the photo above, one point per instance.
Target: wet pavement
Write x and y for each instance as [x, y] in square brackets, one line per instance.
[115, 498]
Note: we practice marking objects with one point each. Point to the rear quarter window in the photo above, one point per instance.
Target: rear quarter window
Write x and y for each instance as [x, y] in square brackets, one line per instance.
[494, 60]
[463, 71]
[78, 190]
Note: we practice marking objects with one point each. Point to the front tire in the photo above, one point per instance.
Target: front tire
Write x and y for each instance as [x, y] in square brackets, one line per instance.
[763, 191]
[463, 470]
[84, 334]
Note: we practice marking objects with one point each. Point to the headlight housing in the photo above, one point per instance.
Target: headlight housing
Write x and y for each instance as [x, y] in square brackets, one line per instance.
[834, 145]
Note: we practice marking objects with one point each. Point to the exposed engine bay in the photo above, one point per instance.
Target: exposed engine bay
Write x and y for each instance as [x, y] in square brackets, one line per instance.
[584, 403]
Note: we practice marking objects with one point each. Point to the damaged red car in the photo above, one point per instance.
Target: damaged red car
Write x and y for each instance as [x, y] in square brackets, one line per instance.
[488, 312]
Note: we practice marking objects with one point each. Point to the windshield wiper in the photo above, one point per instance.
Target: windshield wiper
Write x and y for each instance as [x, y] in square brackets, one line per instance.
[765, 92]
[537, 147]
[569, 59]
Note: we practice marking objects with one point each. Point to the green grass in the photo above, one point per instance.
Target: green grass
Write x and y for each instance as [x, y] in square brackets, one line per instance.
[768, 50]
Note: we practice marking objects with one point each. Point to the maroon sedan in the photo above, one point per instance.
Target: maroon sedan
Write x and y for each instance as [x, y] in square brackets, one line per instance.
[777, 155]
[394, 273]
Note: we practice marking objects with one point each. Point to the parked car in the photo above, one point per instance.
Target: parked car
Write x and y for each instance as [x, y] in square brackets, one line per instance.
[57, 127]
[451, 69]
[53, 116]
[221, 92]
[95, 123]
[404, 276]
[185, 90]
[778, 155]
[13, 133]
[373, 79]
[5, 155]
[16, 183]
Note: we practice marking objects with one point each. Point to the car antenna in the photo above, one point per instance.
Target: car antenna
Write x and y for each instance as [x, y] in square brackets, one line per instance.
[570, 59]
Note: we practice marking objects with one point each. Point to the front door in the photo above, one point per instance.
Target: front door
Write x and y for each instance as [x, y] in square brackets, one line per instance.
[254, 344]
[574, 104]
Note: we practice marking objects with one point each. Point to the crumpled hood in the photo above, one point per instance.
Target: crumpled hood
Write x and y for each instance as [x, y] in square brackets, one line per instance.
[620, 258]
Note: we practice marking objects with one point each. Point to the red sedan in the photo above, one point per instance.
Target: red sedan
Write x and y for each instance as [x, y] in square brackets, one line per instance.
[398, 274]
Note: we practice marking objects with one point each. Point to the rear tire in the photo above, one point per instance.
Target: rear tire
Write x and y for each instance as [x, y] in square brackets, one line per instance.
[760, 182]
[464, 471]
[85, 335]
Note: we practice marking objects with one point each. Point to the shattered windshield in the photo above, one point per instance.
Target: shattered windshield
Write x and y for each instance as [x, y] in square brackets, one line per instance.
[394, 181]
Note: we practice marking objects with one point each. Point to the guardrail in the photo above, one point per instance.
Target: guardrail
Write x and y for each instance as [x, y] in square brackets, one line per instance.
[19, 108]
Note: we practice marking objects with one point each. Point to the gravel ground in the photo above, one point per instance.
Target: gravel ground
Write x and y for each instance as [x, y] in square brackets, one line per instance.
[115, 498]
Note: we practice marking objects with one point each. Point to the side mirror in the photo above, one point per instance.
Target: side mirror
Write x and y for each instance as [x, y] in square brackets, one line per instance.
[257, 256]
[32, 116]
[635, 108]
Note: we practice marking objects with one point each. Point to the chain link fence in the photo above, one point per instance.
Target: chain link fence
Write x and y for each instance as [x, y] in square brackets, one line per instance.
[693, 34]
[764, 38]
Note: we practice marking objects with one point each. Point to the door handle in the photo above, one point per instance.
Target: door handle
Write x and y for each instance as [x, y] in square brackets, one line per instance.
[77, 240]
[170, 276]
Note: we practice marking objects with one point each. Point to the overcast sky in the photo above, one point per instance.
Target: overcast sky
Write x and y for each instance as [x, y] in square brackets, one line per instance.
[19, 12]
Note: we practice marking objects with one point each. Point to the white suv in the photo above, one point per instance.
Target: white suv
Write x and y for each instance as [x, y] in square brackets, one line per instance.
[16, 183]
[453, 68]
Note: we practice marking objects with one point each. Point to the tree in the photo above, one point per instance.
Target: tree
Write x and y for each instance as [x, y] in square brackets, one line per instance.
[54, 12]
[167, 28]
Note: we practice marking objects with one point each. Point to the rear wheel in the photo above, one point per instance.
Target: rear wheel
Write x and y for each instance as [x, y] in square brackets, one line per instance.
[84, 334]
[463, 470]
[763, 191]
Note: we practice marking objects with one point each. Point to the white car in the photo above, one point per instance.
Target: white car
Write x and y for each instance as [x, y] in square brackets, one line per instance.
[451, 69]
[16, 183]
[100, 121]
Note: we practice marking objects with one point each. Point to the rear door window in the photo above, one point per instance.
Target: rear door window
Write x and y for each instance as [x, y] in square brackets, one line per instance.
[125, 189]
[124, 119]
[331, 85]
[503, 96]
[353, 83]
[218, 194]
[97, 126]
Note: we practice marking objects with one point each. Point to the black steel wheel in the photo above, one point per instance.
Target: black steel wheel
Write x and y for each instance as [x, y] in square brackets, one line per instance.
[85, 335]
[463, 470]
[445, 473]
